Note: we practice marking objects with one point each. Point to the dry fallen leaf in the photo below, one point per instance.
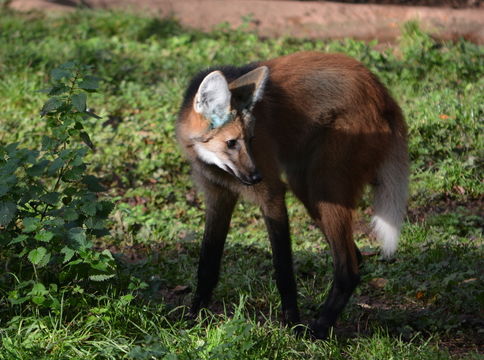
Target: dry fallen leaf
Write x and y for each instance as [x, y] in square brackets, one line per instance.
[460, 189]
[378, 283]
[181, 289]
[419, 295]
[370, 253]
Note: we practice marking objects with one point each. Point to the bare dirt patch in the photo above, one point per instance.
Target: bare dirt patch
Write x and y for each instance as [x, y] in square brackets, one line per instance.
[303, 19]
[455, 4]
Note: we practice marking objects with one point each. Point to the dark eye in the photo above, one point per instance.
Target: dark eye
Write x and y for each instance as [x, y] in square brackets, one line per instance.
[231, 143]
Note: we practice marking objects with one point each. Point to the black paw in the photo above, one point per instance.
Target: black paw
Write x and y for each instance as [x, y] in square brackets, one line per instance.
[319, 330]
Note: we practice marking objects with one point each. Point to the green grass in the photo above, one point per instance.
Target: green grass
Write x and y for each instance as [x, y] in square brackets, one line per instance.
[429, 305]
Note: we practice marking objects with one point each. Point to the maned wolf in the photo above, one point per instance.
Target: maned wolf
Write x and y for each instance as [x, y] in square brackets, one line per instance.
[330, 126]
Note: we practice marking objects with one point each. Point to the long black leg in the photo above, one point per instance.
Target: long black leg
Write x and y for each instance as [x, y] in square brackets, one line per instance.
[336, 225]
[219, 207]
[276, 220]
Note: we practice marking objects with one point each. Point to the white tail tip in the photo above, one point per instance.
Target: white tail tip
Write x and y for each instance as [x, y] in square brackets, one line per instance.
[387, 234]
[391, 199]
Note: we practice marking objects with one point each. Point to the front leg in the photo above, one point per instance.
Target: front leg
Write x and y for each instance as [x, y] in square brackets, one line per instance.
[219, 205]
[277, 223]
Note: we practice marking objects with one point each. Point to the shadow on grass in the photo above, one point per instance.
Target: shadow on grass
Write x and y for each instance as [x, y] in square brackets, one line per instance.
[425, 301]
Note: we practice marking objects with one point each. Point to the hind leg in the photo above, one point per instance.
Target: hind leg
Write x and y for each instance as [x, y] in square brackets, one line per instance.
[335, 221]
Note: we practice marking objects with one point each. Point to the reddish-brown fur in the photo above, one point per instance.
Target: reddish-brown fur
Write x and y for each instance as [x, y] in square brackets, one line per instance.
[328, 124]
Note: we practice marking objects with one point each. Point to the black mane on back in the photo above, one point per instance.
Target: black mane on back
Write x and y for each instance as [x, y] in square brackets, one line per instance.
[230, 72]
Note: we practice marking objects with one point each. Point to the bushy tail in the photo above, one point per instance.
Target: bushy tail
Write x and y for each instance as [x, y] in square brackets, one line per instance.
[390, 197]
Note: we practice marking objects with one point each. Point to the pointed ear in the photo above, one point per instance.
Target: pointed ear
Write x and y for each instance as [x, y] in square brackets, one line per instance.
[248, 89]
[213, 99]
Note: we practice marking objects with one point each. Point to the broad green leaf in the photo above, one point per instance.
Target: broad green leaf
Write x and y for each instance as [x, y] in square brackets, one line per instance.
[68, 65]
[89, 208]
[93, 184]
[8, 179]
[101, 277]
[29, 156]
[70, 214]
[104, 208]
[37, 169]
[107, 254]
[58, 89]
[126, 299]
[55, 165]
[70, 191]
[15, 298]
[87, 140]
[8, 169]
[74, 174]
[95, 223]
[38, 289]
[60, 133]
[48, 143]
[30, 224]
[100, 266]
[17, 301]
[54, 222]
[35, 256]
[4, 189]
[79, 162]
[79, 156]
[31, 194]
[7, 212]
[74, 262]
[89, 83]
[45, 260]
[18, 239]
[79, 101]
[66, 154]
[50, 198]
[39, 300]
[60, 73]
[51, 105]
[44, 236]
[68, 253]
[10, 148]
[73, 132]
[78, 236]
[23, 252]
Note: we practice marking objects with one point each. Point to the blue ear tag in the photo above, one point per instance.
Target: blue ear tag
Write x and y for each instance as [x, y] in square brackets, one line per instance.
[217, 121]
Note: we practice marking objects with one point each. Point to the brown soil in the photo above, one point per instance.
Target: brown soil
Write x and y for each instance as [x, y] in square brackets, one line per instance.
[455, 4]
[303, 19]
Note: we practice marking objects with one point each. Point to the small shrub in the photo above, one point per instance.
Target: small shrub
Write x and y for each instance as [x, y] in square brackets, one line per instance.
[49, 210]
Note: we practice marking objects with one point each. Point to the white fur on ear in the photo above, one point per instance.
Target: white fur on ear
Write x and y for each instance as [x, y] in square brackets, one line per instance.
[259, 91]
[213, 99]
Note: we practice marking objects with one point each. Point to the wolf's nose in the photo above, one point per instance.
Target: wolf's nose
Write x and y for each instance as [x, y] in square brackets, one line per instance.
[255, 177]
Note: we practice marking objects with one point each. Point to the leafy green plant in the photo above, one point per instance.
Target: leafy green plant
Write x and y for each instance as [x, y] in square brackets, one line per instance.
[49, 209]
